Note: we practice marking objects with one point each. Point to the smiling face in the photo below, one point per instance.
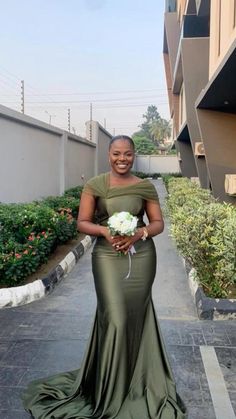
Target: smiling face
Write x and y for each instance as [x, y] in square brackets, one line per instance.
[121, 156]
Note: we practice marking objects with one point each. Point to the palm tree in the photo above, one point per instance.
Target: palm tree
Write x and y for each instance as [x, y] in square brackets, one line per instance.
[160, 130]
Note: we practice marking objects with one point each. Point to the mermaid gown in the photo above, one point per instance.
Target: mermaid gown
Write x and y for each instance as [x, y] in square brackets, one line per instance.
[125, 373]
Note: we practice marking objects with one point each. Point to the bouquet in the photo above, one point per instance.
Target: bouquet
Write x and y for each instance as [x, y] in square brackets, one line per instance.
[123, 224]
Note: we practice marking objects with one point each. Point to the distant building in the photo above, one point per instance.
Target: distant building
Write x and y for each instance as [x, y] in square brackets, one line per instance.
[200, 65]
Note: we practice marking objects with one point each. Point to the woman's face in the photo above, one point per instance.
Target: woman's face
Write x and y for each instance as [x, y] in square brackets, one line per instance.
[121, 157]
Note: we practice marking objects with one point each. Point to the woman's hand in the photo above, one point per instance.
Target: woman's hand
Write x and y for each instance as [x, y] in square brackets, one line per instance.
[124, 243]
[106, 233]
[119, 243]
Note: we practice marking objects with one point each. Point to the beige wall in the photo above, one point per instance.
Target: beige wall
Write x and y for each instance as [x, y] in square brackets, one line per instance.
[79, 162]
[38, 160]
[222, 31]
[187, 163]
[172, 32]
[195, 53]
[218, 132]
[181, 7]
[101, 138]
[182, 107]
[156, 164]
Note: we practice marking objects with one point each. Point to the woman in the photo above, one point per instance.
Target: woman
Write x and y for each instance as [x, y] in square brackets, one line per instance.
[125, 373]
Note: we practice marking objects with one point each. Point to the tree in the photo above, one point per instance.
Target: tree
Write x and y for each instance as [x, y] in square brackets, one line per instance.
[153, 133]
[143, 145]
[150, 117]
[160, 131]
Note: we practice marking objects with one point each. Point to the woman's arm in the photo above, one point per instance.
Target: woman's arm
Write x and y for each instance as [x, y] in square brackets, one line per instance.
[85, 222]
[155, 226]
[155, 218]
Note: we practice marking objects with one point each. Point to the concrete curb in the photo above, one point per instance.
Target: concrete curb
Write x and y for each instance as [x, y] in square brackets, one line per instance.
[16, 296]
[209, 308]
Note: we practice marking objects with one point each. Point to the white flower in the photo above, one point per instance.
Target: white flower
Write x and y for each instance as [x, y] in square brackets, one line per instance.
[122, 223]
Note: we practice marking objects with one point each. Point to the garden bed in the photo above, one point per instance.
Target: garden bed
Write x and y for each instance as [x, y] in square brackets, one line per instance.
[210, 308]
[204, 231]
[31, 232]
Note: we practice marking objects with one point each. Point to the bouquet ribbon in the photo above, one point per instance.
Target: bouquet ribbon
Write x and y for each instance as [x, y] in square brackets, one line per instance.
[130, 253]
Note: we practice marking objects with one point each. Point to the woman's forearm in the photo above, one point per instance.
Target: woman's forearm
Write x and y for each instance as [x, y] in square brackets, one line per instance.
[91, 229]
[154, 228]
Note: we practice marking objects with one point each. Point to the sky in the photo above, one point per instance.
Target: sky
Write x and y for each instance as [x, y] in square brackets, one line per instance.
[71, 53]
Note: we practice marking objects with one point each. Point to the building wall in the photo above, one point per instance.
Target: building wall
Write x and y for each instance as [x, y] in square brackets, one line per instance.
[182, 107]
[218, 130]
[156, 164]
[195, 53]
[79, 162]
[181, 7]
[101, 138]
[201, 64]
[38, 160]
[187, 163]
[222, 31]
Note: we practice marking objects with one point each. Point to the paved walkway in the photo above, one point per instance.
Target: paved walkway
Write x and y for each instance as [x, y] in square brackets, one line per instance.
[49, 336]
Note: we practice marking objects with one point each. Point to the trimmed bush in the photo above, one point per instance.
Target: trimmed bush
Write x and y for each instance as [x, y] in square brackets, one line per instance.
[205, 234]
[63, 203]
[165, 176]
[74, 192]
[29, 233]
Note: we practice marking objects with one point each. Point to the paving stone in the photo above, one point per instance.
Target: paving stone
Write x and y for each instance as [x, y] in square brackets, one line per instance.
[232, 396]
[198, 339]
[21, 354]
[196, 412]
[4, 347]
[70, 327]
[31, 374]
[227, 361]
[10, 398]
[63, 355]
[10, 376]
[215, 334]
[14, 414]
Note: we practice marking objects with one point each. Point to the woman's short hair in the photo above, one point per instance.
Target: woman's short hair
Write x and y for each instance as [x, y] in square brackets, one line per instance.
[122, 137]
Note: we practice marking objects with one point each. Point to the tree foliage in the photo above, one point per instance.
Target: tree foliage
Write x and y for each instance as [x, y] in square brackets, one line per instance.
[153, 133]
[143, 145]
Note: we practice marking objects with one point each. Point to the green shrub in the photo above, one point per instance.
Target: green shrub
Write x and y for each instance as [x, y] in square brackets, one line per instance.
[59, 203]
[74, 192]
[29, 233]
[205, 234]
[166, 177]
[143, 175]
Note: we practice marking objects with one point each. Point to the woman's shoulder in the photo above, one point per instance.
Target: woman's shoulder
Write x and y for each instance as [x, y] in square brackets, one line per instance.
[97, 179]
[96, 185]
[148, 189]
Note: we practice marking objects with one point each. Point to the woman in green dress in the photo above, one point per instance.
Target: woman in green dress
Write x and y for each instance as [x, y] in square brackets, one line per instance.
[125, 373]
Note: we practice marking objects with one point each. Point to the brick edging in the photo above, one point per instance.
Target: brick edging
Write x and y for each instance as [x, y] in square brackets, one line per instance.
[210, 308]
[24, 294]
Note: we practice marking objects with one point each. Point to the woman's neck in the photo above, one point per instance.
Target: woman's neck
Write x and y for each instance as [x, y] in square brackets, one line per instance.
[121, 176]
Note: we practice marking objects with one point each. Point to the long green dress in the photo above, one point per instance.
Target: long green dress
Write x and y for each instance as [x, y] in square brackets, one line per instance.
[125, 373]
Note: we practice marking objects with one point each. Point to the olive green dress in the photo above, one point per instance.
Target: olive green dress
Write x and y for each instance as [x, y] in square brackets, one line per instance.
[125, 373]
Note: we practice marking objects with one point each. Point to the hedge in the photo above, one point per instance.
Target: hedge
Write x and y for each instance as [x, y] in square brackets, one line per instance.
[30, 232]
[205, 234]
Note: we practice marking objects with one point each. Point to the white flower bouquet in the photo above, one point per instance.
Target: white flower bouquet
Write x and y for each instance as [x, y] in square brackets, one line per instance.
[123, 224]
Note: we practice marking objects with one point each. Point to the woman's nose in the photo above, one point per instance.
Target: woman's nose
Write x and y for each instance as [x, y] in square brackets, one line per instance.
[122, 157]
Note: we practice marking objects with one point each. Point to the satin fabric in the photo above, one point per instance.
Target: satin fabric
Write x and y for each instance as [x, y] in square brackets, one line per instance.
[125, 373]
